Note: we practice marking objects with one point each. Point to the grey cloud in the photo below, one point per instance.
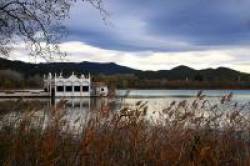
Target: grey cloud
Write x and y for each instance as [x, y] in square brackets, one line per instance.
[197, 24]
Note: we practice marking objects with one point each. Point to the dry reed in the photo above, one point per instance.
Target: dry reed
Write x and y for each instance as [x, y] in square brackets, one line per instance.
[185, 133]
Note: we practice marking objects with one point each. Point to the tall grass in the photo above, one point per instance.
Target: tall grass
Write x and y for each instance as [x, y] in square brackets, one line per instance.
[185, 133]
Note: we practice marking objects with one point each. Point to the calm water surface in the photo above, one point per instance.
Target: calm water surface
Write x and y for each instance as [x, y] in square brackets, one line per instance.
[156, 99]
[82, 108]
[182, 93]
[160, 99]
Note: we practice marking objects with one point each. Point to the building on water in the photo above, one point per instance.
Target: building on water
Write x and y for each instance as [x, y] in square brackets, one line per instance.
[73, 86]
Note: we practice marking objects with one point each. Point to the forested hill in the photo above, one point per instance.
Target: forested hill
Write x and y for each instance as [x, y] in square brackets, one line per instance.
[66, 68]
[177, 73]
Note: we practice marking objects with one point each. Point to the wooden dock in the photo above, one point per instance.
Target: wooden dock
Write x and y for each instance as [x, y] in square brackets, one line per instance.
[24, 93]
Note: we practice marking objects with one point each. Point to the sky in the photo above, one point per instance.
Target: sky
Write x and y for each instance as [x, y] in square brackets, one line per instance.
[160, 34]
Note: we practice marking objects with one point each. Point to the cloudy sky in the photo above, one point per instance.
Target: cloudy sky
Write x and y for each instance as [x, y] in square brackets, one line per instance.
[161, 34]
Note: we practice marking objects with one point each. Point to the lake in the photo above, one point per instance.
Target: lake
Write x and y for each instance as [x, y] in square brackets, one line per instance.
[83, 108]
[160, 99]
[156, 99]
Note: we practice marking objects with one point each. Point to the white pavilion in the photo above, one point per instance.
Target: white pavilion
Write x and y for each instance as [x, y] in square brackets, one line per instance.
[73, 86]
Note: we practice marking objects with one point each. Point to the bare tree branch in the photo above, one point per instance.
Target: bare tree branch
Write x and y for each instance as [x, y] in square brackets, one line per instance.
[33, 21]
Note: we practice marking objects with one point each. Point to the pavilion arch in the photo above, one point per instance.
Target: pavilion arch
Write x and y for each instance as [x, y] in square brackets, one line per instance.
[60, 86]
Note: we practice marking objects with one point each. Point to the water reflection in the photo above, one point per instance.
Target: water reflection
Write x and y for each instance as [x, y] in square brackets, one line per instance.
[71, 113]
[89, 104]
[75, 112]
[157, 100]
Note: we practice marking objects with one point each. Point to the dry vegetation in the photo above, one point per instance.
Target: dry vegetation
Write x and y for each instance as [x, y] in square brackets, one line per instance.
[185, 133]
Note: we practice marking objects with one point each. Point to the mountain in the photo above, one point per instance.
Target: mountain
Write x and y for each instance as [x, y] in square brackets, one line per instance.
[66, 68]
[177, 73]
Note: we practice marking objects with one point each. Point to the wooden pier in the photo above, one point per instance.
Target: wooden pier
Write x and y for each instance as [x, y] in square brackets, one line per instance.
[24, 93]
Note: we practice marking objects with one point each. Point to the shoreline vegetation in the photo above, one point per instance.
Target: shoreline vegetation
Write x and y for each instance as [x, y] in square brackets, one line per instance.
[15, 80]
[18, 74]
[184, 133]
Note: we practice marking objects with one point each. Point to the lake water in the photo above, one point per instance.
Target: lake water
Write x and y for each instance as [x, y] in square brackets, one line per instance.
[160, 99]
[239, 94]
[82, 108]
[156, 99]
